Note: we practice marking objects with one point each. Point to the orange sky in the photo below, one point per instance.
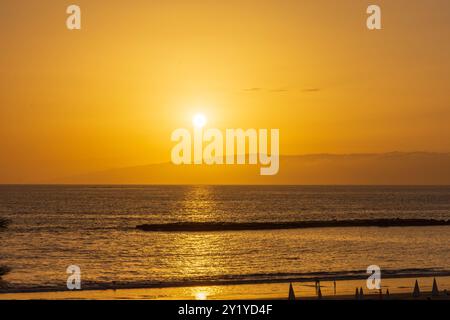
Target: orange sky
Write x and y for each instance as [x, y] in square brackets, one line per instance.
[111, 94]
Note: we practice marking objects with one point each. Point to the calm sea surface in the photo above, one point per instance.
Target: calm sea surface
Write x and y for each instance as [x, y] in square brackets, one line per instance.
[93, 227]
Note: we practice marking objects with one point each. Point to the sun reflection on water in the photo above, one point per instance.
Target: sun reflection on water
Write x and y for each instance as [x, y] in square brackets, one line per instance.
[199, 204]
[201, 295]
[205, 293]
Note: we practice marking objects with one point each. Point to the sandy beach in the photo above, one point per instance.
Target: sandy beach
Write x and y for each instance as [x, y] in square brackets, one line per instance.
[400, 288]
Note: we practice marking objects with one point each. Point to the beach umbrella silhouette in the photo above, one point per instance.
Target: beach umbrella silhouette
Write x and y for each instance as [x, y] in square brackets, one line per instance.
[387, 293]
[435, 290]
[291, 292]
[416, 292]
[361, 293]
[319, 293]
[356, 294]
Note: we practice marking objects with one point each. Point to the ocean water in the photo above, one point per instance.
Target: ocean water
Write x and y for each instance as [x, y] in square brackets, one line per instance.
[94, 227]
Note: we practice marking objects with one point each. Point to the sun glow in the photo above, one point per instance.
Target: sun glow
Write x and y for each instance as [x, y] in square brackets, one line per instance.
[201, 296]
[199, 120]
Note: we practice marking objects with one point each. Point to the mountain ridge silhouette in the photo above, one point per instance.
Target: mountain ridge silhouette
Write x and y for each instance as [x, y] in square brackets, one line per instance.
[392, 168]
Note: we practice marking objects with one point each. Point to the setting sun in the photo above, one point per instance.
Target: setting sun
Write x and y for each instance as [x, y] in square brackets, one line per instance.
[199, 120]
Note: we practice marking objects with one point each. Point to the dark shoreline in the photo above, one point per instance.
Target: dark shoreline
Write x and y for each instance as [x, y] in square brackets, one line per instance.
[232, 226]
